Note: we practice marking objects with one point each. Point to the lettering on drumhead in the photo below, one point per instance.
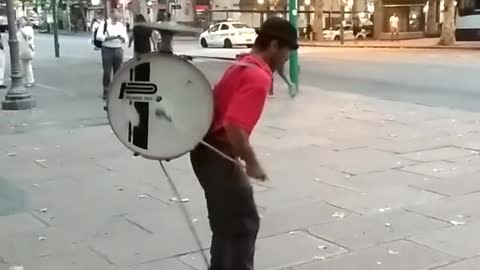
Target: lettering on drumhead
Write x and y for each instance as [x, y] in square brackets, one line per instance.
[138, 98]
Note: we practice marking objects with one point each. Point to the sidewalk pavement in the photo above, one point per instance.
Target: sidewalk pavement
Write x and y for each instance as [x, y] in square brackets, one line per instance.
[356, 183]
[424, 43]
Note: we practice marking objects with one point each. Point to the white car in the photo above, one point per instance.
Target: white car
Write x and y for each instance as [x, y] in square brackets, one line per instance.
[228, 34]
[334, 34]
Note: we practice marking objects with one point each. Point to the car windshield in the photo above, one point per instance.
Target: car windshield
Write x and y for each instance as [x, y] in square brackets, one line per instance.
[240, 25]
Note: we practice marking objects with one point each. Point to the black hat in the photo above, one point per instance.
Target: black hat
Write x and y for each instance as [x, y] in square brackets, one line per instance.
[280, 29]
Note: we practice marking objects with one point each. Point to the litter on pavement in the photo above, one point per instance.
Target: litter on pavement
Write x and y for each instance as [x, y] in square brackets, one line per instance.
[392, 252]
[457, 223]
[175, 199]
[339, 215]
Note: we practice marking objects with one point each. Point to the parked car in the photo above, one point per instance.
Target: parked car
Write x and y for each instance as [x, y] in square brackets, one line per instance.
[334, 33]
[228, 34]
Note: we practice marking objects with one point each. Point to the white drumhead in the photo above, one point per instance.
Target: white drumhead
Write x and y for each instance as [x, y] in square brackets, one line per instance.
[160, 114]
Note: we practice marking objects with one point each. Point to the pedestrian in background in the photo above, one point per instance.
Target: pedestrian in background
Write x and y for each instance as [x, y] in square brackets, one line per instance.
[2, 64]
[163, 39]
[25, 38]
[394, 20]
[113, 38]
[142, 44]
[308, 32]
[141, 36]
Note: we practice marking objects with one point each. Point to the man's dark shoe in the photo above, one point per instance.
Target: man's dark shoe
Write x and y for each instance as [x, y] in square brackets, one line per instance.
[3, 86]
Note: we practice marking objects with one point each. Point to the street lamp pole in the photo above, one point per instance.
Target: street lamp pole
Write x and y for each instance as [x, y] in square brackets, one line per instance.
[17, 97]
[342, 19]
[293, 17]
[56, 45]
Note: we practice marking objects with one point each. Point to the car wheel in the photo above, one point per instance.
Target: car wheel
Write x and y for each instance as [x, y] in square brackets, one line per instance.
[360, 37]
[336, 38]
[227, 43]
[203, 42]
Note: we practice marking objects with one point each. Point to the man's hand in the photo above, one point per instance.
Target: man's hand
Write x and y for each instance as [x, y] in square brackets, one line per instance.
[255, 170]
[121, 38]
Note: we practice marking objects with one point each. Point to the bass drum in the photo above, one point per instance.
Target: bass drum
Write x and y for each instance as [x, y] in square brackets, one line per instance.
[160, 106]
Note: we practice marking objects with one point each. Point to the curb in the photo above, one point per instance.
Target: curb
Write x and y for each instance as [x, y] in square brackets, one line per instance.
[437, 47]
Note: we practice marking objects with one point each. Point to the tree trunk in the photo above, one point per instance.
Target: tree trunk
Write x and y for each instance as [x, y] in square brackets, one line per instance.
[432, 18]
[318, 22]
[448, 26]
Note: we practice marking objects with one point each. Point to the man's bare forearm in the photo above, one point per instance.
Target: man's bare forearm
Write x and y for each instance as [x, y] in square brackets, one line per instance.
[110, 38]
[240, 144]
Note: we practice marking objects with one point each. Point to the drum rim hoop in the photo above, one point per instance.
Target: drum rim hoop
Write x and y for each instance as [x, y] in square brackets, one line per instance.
[127, 65]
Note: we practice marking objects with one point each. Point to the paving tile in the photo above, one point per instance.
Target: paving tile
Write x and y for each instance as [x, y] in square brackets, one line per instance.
[297, 216]
[458, 208]
[354, 162]
[126, 244]
[167, 264]
[170, 225]
[281, 196]
[455, 240]
[454, 186]
[410, 256]
[23, 222]
[441, 169]
[282, 251]
[42, 247]
[403, 145]
[473, 144]
[394, 197]
[453, 126]
[359, 232]
[66, 200]
[13, 197]
[384, 180]
[397, 131]
[444, 153]
[468, 264]
[78, 259]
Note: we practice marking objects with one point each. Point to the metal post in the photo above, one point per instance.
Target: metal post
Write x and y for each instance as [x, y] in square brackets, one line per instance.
[55, 29]
[342, 21]
[17, 97]
[294, 68]
[106, 9]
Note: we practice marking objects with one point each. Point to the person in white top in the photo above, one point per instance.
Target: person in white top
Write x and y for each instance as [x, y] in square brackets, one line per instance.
[112, 37]
[27, 48]
[394, 20]
[2, 64]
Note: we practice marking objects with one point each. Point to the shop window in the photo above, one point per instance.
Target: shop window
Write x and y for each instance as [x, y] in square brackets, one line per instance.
[415, 19]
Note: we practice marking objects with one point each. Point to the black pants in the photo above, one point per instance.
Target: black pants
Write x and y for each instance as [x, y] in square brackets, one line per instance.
[231, 207]
[112, 58]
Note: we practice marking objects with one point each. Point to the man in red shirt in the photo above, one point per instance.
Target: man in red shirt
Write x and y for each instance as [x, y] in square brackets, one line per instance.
[239, 98]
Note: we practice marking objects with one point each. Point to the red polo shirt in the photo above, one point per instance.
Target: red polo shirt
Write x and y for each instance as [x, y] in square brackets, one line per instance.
[240, 95]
